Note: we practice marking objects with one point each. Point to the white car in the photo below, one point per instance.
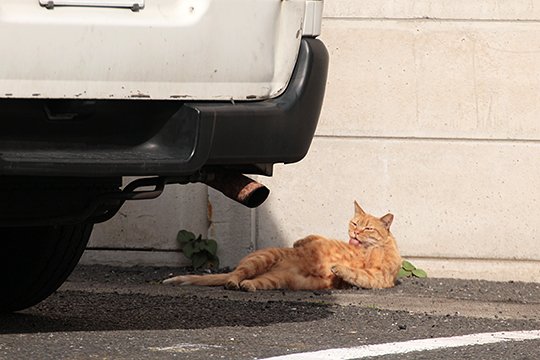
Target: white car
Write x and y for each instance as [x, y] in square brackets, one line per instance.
[169, 91]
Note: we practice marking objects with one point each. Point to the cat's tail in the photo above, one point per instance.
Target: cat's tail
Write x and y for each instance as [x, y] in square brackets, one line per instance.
[199, 280]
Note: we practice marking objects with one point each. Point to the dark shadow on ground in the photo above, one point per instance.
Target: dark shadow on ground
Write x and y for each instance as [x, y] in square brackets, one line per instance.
[83, 311]
[76, 309]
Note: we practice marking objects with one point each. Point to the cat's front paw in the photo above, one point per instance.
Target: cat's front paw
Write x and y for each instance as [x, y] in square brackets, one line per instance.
[337, 270]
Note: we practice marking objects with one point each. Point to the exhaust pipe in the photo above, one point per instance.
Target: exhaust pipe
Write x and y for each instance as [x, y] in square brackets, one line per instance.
[238, 187]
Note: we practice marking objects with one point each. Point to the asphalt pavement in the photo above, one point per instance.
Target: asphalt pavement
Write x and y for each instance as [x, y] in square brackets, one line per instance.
[126, 313]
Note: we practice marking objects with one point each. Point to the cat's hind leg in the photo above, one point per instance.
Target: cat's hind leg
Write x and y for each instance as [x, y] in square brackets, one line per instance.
[265, 281]
[287, 277]
[308, 239]
[253, 265]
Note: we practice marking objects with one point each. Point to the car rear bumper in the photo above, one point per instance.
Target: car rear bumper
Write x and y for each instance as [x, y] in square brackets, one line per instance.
[152, 137]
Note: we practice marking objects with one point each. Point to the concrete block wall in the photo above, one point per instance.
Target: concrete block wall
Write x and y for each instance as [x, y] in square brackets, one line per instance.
[431, 113]
[144, 232]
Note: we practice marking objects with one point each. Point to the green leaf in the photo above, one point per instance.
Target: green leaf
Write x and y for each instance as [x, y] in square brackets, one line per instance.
[211, 246]
[202, 252]
[419, 273]
[184, 237]
[404, 273]
[213, 262]
[188, 250]
[198, 245]
[199, 260]
[407, 266]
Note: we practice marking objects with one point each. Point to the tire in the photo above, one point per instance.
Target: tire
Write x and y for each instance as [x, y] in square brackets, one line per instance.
[35, 261]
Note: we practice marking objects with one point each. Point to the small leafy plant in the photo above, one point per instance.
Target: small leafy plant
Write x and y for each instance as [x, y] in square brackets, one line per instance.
[201, 252]
[408, 270]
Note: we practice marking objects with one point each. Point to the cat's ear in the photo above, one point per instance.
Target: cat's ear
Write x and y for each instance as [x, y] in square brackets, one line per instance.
[358, 210]
[387, 220]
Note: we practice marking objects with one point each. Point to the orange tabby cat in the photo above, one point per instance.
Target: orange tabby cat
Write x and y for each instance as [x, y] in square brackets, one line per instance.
[369, 260]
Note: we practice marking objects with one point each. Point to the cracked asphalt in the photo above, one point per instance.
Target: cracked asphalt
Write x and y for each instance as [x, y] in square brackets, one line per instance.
[126, 313]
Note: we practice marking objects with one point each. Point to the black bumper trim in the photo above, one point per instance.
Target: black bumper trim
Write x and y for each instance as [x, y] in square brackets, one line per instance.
[276, 130]
[147, 137]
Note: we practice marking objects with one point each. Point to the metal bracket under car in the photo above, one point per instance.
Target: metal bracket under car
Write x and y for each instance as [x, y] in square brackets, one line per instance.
[101, 206]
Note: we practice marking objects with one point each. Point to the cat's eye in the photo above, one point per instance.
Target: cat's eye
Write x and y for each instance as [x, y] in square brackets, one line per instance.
[354, 224]
[367, 228]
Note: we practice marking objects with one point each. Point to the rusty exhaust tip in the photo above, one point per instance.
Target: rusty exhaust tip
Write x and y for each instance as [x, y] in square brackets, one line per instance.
[240, 188]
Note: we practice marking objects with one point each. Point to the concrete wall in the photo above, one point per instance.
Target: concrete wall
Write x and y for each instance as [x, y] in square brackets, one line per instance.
[431, 113]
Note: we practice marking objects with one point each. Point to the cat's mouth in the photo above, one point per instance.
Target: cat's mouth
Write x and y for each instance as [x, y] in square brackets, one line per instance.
[361, 242]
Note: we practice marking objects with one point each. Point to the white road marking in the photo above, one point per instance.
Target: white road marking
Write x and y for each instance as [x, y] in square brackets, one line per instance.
[366, 351]
[184, 348]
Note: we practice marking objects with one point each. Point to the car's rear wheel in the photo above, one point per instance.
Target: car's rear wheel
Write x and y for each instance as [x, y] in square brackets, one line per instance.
[35, 261]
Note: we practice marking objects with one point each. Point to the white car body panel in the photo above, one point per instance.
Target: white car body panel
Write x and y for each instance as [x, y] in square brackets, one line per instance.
[169, 49]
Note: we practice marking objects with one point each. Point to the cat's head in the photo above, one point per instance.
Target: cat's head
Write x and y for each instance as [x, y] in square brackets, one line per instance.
[367, 230]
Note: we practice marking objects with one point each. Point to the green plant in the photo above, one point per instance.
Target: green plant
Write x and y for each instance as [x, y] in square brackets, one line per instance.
[201, 252]
[408, 270]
